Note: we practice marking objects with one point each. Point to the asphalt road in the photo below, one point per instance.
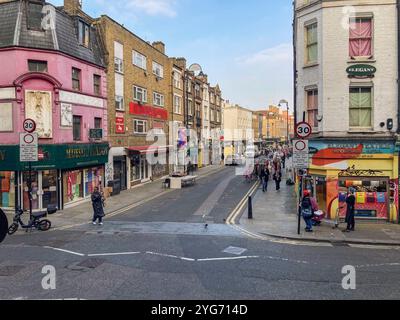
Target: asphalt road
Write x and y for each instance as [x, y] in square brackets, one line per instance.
[161, 250]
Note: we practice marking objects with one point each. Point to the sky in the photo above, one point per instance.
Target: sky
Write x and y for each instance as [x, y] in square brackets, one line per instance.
[244, 46]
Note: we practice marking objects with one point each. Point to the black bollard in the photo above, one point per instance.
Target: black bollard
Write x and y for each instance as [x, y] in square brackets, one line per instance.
[250, 209]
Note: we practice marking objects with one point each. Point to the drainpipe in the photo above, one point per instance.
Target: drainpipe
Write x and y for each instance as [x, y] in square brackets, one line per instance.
[295, 65]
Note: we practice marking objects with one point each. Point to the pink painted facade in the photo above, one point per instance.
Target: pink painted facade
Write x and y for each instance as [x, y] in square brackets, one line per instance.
[58, 81]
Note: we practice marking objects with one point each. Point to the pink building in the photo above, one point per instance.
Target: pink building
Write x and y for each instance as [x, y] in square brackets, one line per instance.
[52, 73]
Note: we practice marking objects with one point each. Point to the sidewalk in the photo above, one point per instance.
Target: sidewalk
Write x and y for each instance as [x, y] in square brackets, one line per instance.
[275, 215]
[126, 200]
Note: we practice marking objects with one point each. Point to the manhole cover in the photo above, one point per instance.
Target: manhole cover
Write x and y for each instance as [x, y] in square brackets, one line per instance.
[234, 250]
[8, 271]
[91, 263]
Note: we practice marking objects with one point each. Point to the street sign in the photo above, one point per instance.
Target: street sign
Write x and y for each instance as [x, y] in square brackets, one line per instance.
[28, 147]
[29, 125]
[303, 130]
[300, 154]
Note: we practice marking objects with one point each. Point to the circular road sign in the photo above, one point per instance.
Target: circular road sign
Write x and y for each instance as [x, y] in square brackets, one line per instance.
[300, 145]
[303, 130]
[29, 125]
[28, 138]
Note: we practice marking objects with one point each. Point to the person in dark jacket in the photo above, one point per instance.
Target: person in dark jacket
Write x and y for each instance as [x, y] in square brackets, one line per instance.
[351, 202]
[265, 178]
[3, 225]
[97, 203]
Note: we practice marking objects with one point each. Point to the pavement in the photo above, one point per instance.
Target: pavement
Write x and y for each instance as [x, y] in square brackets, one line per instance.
[126, 200]
[275, 215]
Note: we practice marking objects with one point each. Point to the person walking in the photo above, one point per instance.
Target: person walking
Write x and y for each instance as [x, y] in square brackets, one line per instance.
[351, 202]
[265, 178]
[98, 204]
[308, 206]
[277, 176]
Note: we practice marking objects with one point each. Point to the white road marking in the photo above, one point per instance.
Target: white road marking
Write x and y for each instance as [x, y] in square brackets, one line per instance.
[228, 258]
[379, 265]
[66, 251]
[113, 254]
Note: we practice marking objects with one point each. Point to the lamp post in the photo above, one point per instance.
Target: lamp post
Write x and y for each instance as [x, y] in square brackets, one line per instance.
[283, 101]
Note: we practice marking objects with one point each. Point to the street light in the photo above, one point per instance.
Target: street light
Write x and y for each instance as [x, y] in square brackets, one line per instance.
[283, 101]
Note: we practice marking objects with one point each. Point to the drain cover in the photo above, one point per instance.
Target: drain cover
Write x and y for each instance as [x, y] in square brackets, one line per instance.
[91, 263]
[9, 271]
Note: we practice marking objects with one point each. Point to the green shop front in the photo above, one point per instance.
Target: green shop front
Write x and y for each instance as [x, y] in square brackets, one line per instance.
[65, 175]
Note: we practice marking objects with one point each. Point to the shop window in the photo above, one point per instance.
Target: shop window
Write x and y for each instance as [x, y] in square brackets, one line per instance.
[73, 186]
[360, 37]
[135, 168]
[361, 107]
[93, 178]
[7, 189]
[37, 66]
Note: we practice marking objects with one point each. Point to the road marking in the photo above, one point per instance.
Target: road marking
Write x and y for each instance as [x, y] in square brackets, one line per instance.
[379, 265]
[228, 258]
[113, 254]
[66, 251]
[231, 218]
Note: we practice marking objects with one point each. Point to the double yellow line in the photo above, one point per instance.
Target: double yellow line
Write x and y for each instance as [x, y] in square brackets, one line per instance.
[239, 209]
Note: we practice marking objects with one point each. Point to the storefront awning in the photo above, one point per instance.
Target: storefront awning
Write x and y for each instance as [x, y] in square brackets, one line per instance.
[149, 149]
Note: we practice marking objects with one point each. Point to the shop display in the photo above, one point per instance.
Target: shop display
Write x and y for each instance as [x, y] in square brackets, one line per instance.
[7, 189]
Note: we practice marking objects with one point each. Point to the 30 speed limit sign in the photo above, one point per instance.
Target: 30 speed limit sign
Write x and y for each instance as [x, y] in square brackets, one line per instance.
[303, 130]
[29, 125]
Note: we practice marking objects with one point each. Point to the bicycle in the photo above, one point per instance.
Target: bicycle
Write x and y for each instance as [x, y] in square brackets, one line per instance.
[35, 221]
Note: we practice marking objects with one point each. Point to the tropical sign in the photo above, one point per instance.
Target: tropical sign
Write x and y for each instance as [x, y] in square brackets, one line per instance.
[361, 70]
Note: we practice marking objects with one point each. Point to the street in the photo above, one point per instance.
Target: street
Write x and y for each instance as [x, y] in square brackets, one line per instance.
[163, 250]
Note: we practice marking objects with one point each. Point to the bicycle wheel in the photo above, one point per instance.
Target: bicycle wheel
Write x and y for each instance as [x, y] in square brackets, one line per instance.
[44, 225]
[13, 228]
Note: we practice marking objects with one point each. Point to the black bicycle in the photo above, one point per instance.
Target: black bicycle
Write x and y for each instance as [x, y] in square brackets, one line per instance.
[36, 222]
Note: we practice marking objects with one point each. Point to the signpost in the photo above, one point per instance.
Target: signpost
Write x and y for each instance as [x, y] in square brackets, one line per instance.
[28, 152]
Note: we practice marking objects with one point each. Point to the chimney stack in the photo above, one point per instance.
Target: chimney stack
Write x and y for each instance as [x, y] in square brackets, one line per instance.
[160, 46]
[181, 63]
[72, 7]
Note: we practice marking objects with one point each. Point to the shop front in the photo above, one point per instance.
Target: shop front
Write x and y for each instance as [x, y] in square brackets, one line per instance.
[369, 168]
[64, 175]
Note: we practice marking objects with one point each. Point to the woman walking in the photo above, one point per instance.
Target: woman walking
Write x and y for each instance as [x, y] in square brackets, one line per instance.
[97, 203]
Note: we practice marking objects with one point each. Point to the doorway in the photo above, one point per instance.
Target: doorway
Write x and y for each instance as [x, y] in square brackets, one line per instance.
[120, 171]
[144, 169]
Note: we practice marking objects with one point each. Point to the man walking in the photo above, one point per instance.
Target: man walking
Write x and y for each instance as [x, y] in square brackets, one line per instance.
[97, 203]
[351, 202]
[307, 208]
[265, 178]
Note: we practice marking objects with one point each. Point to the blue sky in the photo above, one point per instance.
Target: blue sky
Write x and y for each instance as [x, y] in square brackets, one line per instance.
[245, 46]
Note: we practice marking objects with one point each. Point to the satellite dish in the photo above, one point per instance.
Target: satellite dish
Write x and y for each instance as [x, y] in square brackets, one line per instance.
[195, 68]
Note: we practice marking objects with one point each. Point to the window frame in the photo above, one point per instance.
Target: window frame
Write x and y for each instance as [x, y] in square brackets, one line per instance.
[37, 62]
[96, 119]
[178, 80]
[79, 79]
[83, 33]
[118, 65]
[144, 93]
[313, 24]
[154, 69]
[315, 109]
[369, 17]
[120, 101]
[161, 97]
[179, 105]
[371, 107]
[74, 117]
[137, 54]
[144, 123]
[190, 107]
[97, 85]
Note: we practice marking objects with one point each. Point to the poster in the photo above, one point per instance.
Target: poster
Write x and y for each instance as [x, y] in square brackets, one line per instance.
[38, 107]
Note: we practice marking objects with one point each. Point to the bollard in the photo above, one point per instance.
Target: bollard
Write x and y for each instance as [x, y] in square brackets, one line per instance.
[250, 209]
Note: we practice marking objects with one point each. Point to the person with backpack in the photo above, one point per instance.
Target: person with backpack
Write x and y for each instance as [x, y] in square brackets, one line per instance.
[307, 208]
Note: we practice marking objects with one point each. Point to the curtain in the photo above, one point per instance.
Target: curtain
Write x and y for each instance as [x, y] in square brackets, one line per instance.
[312, 43]
[360, 37]
[360, 107]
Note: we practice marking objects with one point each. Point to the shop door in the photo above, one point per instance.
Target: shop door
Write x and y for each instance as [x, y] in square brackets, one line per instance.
[120, 172]
[48, 188]
[144, 169]
[35, 190]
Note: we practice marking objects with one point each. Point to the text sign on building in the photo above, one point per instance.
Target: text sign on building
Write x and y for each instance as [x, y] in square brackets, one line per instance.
[119, 125]
[28, 147]
[361, 70]
[300, 154]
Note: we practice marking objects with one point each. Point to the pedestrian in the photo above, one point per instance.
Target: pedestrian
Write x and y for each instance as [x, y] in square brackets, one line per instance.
[351, 202]
[308, 206]
[98, 204]
[277, 176]
[265, 180]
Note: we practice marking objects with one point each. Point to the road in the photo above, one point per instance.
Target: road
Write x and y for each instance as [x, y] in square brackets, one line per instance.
[162, 250]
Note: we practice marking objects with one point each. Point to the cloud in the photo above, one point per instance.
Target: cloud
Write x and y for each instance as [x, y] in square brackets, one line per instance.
[155, 7]
[282, 53]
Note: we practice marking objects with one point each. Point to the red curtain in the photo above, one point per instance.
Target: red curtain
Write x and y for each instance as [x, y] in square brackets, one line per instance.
[361, 37]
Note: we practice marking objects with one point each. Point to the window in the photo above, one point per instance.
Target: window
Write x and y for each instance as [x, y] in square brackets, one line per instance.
[119, 65]
[218, 116]
[361, 107]
[158, 99]
[96, 84]
[76, 79]
[77, 128]
[360, 37]
[37, 66]
[177, 104]
[139, 60]
[190, 107]
[119, 103]
[34, 16]
[140, 126]
[139, 94]
[189, 84]
[312, 107]
[158, 70]
[97, 123]
[83, 34]
[212, 98]
[197, 91]
[312, 43]
[177, 80]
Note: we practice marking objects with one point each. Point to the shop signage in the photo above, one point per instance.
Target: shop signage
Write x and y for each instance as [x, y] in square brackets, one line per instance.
[361, 70]
[148, 111]
[119, 125]
[300, 154]
[96, 134]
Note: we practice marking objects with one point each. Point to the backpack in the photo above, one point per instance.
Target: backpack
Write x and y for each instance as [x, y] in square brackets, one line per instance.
[306, 208]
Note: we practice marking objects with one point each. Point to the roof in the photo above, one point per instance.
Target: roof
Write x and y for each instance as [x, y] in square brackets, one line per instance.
[14, 32]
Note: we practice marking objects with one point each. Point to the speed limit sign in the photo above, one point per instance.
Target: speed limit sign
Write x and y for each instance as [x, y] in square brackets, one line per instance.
[303, 130]
[29, 125]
